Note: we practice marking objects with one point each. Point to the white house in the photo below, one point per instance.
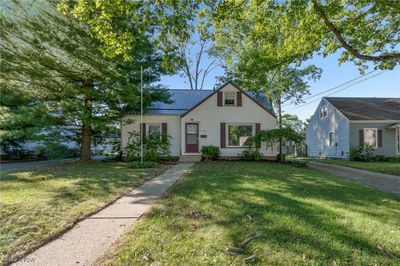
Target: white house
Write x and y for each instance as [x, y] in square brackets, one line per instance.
[224, 117]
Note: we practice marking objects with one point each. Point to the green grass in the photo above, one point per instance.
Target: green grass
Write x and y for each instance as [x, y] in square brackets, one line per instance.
[304, 216]
[35, 205]
[392, 168]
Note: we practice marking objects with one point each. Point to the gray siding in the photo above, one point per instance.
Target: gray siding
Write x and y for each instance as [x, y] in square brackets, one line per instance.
[318, 133]
[388, 137]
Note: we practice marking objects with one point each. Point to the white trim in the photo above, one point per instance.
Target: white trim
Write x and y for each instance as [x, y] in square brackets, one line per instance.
[234, 98]
[253, 131]
[320, 109]
[376, 136]
[152, 124]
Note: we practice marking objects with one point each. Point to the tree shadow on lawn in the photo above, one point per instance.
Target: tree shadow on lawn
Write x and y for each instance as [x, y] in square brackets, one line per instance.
[38, 203]
[296, 209]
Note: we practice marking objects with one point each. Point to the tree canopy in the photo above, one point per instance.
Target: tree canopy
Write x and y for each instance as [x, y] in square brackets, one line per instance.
[54, 74]
[293, 31]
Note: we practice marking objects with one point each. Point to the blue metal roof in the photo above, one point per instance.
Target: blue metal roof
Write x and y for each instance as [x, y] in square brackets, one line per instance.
[184, 100]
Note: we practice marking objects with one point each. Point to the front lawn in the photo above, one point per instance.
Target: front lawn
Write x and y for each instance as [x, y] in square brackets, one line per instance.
[381, 167]
[36, 205]
[303, 217]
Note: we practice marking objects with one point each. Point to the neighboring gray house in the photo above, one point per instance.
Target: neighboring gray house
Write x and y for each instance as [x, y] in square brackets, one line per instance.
[342, 123]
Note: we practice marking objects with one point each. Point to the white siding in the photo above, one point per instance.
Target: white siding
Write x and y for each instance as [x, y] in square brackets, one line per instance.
[318, 133]
[209, 116]
[173, 128]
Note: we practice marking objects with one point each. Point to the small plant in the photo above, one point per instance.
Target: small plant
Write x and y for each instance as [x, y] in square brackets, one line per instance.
[380, 158]
[251, 154]
[363, 153]
[393, 159]
[155, 147]
[210, 152]
[144, 164]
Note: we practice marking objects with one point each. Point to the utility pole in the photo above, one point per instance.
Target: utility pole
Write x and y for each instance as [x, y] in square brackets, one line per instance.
[141, 114]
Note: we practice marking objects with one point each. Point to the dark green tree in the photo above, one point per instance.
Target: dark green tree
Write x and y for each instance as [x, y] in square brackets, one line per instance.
[53, 73]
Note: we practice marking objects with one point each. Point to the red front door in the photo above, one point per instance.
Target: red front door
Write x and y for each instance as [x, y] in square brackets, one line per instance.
[192, 137]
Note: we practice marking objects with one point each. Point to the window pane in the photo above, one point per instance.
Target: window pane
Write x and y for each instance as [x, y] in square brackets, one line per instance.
[191, 129]
[331, 138]
[191, 139]
[370, 136]
[229, 97]
[155, 128]
[238, 135]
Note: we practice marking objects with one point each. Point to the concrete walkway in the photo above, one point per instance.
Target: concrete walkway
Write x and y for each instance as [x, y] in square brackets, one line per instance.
[383, 182]
[91, 238]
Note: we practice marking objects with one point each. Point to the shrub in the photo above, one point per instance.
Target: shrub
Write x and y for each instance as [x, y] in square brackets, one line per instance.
[144, 164]
[363, 153]
[210, 152]
[155, 147]
[251, 154]
[380, 158]
[393, 159]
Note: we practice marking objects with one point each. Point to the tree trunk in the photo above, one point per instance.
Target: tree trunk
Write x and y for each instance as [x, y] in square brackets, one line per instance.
[86, 139]
[86, 143]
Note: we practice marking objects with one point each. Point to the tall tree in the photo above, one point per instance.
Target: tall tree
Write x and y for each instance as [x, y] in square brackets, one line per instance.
[253, 64]
[51, 62]
[363, 30]
[193, 66]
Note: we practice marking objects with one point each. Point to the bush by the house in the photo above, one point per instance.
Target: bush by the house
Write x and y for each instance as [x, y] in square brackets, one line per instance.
[251, 154]
[393, 159]
[144, 164]
[210, 152]
[363, 153]
[155, 147]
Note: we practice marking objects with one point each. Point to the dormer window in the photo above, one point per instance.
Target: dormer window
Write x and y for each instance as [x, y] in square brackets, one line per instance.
[323, 112]
[229, 98]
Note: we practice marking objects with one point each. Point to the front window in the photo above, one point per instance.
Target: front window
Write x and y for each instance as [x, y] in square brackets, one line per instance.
[370, 136]
[154, 128]
[331, 139]
[229, 98]
[323, 112]
[239, 134]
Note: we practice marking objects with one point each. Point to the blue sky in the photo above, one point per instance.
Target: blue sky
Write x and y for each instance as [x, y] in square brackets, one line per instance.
[386, 84]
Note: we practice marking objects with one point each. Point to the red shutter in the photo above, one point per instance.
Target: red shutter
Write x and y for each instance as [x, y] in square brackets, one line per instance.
[361, 137]
[164, 131]
[379, 137]
[239, 98]
[222, 135]
[258, 128]
[219, 98]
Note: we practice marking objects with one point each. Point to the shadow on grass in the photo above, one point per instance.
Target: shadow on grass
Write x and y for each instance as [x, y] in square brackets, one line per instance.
[295, 209]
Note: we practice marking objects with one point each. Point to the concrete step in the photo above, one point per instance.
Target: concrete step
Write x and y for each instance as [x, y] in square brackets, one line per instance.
[189, 158]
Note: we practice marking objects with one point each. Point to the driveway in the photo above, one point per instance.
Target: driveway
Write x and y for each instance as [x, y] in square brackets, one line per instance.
[379, 181]
[35, 164]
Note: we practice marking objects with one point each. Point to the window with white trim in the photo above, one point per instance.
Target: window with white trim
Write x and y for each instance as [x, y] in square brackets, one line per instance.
[371, 136]
[238, 134]
[154, 128]
[331, 138]
[323, 112]
[229, 98]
